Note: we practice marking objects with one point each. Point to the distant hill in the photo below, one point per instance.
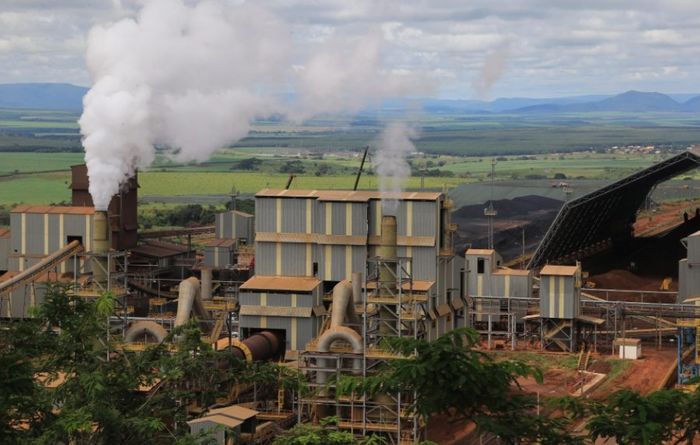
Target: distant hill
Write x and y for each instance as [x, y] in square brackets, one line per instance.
[44, 96]
[630, 102]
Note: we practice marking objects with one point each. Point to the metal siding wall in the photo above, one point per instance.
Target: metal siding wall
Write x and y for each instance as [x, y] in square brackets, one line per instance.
[682, 280]
[305, 332]
[249, 229]
[265, 258]
[35, 234]
[75, 226]
[293, 259]
[294, 215]
[694, 249]
[249, 298]
[425, 217]
[401, 219]
[218, 226]
[265, 210]
[424, 263]
[305, 299]
[359, 259]
[375, 216]
[209, 256]
[338, 263]
[55, 242]
[4, 252]
[359, 219]
[338, 212]
[249, 321]
[284, 300]
[318, 212]
[15, 232]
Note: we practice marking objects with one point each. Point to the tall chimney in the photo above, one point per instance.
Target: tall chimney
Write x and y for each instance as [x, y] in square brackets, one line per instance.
[100, 247]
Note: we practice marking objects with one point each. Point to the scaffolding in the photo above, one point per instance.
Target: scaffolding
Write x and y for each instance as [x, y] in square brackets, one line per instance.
[391, 309]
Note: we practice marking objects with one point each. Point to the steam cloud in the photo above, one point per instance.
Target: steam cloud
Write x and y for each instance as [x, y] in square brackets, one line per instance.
[191, 79]
[492, 70]
[391, 160]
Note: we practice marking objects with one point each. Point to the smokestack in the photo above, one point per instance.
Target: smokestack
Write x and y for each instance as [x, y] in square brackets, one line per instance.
[100, 247]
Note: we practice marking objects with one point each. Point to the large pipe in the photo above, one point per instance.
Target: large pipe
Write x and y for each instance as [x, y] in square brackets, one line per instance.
[357, 286]
[206, 283]
[261, 346]
[188, 299]
[343, 306]
[100, 247]
[141, 328]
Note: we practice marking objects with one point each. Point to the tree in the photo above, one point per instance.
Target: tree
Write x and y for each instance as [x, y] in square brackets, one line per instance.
[294, 167]
[65, 381]
[449, 376]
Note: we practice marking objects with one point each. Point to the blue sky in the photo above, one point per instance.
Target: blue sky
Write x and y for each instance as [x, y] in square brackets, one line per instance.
[529, 47]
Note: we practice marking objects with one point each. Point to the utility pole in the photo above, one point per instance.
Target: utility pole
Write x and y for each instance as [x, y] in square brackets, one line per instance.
[489, 211]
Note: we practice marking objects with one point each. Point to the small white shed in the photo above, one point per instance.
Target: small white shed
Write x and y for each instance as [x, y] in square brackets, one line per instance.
[629, 348]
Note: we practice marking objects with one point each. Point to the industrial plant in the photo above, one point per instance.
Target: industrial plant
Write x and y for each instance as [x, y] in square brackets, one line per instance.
[316, 279]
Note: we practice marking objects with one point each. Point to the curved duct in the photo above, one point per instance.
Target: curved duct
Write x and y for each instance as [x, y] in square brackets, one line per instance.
[188, 299]
[141, 328]
[342, 309]
[261, 346]
[343, 306]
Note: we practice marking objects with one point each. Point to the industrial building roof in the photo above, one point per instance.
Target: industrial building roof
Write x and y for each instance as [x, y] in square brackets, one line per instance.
[66, 210]
[159, 249]
[550, 269]
[608, 213]
[512, 272]
[480, 251]
[219, 242]
[281, 283]
[235, 411]
[4, 233]
[345, 195]
[218, 419]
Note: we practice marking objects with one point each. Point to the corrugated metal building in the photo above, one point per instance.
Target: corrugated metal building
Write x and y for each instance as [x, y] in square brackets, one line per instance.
[688, 270]
[560, 291]
[4, 249]
[289, 304]
[219, 253]
[37, 231]
[331, 234]
[235, 225]
[486, 278]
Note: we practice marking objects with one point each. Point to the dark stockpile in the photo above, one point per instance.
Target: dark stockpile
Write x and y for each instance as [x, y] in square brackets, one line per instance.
[532, 213]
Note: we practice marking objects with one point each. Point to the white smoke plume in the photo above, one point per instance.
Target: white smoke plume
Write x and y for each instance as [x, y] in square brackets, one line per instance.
[190, 79]
[492, 70]
[396, 144]
[177, 76]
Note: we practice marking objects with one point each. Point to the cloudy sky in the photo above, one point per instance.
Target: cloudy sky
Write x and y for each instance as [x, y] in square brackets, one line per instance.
[470, 49]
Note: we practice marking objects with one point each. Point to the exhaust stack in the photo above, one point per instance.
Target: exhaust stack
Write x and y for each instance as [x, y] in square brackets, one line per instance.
[100, 247]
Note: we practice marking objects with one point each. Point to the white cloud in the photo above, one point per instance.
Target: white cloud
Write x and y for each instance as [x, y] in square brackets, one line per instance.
[556, 46]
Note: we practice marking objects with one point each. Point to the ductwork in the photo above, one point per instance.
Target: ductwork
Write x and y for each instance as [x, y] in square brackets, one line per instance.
[261, 346]
[206, 283]
[343, 306]
[141, 328]
[188, 299]
[342, 309]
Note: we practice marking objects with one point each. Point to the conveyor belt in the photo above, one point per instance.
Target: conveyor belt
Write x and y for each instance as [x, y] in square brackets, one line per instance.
[32, 273]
